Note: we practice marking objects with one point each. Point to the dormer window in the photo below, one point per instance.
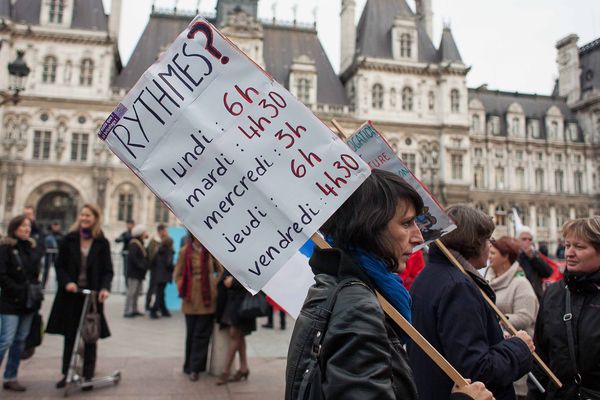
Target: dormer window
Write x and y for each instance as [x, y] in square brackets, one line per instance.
[554, 130]
[405, 45]
[56, 9]
[494, 125]
[533, 129]
[573, 134]
[516, 126]
[475, 123]
[377, 96]
[86, 72]
[303, 90]
[49, 70]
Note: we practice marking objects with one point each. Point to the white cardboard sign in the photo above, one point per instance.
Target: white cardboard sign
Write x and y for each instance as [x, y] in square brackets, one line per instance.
[243, 164]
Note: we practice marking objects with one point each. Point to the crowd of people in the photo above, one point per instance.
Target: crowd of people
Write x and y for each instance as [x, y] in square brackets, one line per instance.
[343, 345]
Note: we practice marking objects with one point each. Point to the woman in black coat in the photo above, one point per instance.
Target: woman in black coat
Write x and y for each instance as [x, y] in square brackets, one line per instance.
[450, 312]
[163, 272]
[577, 365]
[361, 355]
[87, 243]
[19, 265]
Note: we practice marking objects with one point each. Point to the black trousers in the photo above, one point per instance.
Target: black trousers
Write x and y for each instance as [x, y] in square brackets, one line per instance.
[198, 331]
[159, 299]
[89, 357]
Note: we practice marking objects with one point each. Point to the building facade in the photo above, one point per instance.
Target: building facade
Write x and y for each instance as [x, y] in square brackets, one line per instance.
[493, 149]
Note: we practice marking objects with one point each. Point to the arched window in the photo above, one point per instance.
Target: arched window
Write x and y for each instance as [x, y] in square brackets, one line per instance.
[49, 70]
[405, 45]
[303, 90]
[407, 99]
[86, 72]
[516, 126]
[56, 10]
[377, 96]
[431, 100]
[454, 101]
[125, 206]
[475, 123]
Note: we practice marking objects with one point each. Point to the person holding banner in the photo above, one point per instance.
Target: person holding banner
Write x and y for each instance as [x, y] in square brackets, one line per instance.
[567, 331]
[451, 313]
[514, 295]
[359, 353]
[196, 275]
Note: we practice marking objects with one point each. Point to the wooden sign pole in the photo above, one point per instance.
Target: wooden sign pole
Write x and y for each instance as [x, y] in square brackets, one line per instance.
[500, 314]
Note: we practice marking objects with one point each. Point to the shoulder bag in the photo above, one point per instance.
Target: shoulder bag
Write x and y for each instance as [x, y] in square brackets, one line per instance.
[253, 306]
[35, 294]
[90, 331]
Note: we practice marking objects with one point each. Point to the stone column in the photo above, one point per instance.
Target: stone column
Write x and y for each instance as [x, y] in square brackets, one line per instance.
[533, 219]
[552, 225]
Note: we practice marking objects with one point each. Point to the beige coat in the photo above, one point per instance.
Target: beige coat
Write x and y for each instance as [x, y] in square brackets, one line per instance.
[517, 300]
[195, 305]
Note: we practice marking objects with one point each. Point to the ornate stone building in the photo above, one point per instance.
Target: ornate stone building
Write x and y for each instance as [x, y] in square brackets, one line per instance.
[493, 149]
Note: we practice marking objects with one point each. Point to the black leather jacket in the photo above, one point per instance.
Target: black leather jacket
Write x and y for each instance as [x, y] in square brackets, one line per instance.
[362, 354]
[551, 336]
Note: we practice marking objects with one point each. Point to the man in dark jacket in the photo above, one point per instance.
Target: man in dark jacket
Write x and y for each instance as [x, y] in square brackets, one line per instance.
[124, 238]
[535, 268]
[451, 313]
[137, 265]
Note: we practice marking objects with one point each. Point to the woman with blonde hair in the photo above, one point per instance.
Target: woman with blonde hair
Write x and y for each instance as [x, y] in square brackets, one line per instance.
[567, 330]
[515, 296]
[83, 262]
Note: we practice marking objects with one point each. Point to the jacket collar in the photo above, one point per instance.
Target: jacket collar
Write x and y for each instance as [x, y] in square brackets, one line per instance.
[337, 263]
[504, 280]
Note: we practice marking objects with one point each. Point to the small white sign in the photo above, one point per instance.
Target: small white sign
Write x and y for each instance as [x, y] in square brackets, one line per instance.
[245, 166]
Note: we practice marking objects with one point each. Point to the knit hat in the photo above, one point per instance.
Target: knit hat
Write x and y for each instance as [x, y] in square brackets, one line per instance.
[138, 230]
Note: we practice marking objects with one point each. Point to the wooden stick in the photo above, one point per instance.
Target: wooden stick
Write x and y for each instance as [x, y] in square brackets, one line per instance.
[431, 351]
[500, 314]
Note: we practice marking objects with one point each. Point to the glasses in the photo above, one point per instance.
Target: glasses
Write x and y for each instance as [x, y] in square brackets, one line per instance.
[527, 239]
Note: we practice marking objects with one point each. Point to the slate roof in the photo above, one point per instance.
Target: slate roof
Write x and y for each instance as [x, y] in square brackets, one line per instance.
[281, 45]
[5, 8]
[589, 61]
[448, 51]
[87, 14]
[373, 37]
[534, 106]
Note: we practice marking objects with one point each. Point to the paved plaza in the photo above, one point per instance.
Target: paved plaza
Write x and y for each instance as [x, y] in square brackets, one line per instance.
[149, 354]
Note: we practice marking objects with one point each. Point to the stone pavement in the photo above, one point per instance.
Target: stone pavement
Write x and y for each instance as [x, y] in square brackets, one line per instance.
[149, 354]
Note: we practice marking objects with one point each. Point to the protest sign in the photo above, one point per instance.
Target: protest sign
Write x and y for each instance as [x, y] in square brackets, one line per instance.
[375, 150]
[243, 164]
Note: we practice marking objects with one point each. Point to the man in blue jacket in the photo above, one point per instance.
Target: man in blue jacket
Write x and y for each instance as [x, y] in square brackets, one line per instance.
[451, 313]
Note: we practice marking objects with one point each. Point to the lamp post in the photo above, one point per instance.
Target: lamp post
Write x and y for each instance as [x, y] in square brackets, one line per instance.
[17, 71]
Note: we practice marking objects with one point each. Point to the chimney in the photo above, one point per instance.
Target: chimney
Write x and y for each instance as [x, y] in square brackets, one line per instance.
[348, 34]
[425, 13]
[114, 20]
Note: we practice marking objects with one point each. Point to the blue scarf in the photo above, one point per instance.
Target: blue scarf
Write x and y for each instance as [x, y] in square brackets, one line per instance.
[388, 283]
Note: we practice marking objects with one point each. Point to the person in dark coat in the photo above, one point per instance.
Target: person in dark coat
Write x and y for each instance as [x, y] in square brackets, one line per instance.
[362, 356]
[19, 265]
[582, 284]
[163, 270]
[535, 268]
[83, 262]
[137, 265]
[451, 313]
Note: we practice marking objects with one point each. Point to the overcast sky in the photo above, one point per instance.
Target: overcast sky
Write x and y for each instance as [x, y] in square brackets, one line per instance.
[508, 43]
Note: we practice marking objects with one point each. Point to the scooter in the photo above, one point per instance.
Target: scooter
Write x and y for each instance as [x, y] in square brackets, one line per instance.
[75, 371]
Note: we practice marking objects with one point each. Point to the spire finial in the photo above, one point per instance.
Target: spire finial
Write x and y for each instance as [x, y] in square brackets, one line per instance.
[274, 11]
[315, 12]
[295, 12]
[198, 7]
